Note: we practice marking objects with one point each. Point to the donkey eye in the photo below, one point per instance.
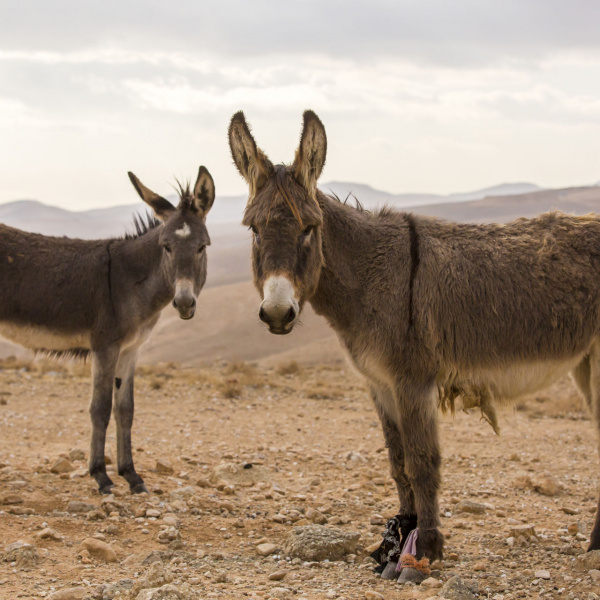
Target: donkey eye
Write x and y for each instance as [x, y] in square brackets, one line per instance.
[308, 231]
[167, 248]
[201, 249]
[254, 230]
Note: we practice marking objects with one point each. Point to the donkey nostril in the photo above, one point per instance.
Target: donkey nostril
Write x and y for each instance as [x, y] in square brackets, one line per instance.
[193, 303]
[174, 303]
[290, 315]
[262, 315]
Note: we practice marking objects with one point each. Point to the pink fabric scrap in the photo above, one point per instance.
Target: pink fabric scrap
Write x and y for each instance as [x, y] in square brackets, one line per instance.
[410, 547]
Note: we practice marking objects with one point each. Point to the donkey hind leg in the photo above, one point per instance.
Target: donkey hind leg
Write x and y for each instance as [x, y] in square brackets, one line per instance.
[123, 411]
[422, 459]
[103, 371]
[587, 377]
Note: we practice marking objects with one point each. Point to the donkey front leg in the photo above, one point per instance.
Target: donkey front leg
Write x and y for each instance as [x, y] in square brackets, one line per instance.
[422, 459]
[103, 371]
[123, 410]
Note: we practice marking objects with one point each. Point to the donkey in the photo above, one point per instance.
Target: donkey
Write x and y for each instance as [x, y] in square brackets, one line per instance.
[427, 310]
[75, 297]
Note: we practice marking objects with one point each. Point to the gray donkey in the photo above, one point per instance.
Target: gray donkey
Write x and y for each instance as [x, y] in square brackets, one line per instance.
[74, 297]
[428, 310]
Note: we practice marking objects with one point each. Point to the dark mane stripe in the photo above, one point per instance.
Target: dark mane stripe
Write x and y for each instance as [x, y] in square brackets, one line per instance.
[142, 225]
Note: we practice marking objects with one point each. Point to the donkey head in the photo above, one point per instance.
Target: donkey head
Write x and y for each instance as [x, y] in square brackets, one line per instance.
[284, 215]
[183, 237]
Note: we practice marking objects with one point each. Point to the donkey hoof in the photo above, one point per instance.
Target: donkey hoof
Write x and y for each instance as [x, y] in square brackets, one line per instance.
[390, 571]
[107, 489]
[139, 488]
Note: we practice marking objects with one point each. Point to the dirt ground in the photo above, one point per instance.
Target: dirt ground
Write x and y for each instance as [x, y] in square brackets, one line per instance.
[317, 455]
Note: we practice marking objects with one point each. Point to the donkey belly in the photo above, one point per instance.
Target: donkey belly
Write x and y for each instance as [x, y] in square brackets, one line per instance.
[42, 338]
[512, 381]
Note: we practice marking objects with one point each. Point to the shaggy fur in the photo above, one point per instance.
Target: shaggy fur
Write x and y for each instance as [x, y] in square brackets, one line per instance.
[70, 297]
[430, 310]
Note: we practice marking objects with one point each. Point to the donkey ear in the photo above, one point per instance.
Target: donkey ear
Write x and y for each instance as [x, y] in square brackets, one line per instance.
[250, 160]
[311, 153]
[162, 208]
[204, 191]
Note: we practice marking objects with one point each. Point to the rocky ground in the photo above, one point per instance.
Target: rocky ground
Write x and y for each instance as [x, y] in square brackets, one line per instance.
[272, 483]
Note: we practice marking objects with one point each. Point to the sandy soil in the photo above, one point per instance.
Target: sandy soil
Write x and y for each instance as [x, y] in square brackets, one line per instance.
[317, 452]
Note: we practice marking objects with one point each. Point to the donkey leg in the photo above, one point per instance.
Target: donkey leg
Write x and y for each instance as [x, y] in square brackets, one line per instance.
[587, 377]
[422, 459]
[393, 442]
[103, 372]
[123, 411]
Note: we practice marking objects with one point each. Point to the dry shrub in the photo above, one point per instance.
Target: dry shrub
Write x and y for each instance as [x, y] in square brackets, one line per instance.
[245, 374]
[289, 368]
[230, 389]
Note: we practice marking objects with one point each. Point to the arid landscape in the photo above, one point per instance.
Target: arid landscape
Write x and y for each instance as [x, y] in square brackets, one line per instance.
[238, 455]
[248, 442]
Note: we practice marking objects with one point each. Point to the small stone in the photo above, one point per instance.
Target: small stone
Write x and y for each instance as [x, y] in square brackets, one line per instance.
[453, 556]
[76, 506]
[316, 516]
[542, 574]
[24, 555]
[373, 595]
[573, 528]
[62, 465]
[167, 535]
[76, 454]
[377, 520]
[11, 499]
[169, 592]
[164, 466]
[278, 575]
[455, 589]
[153, 512]
[431, 583]
[316, 543]
[547, 485]
[594, 574]
[526, 531]
[266, 549]
[588, 561]
[48, 534]
[479, 566]
[470, 507]
[98, 549]
[569, 511]
[74, 593]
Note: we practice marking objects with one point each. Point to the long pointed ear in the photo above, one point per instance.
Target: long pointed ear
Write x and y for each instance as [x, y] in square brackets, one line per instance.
[162, 208]
[250, 160]
[311, 153]
[204, 191]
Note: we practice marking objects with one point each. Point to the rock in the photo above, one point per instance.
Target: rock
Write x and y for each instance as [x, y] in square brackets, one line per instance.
[74, 593]
[569, 511]
[588, 561]
[373, 595]
[62, 465]
[278, 575]
[76, 454]
[98, 549]
[542, 574]
[182, 493]
[156, 576]
[169, 592]
[117, 590]
[316, 543]
[479, 566]
[431, 583]
[167, 535]
[24, 555]
[48, 534]
[153, 512]
[76, 506]
[11, 499]
[470, 507]
[547, 485]
[280, 593]
[316, 517]
[455, 589]
[377, 520]
[594, 574]
[526, 531]
[164, 466]
[266, 549]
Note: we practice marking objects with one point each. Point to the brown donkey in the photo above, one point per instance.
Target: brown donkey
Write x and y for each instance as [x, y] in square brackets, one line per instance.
[428, 310]
[75, 297]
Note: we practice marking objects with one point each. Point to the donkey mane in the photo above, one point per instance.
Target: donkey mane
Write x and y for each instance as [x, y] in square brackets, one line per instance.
[142, 223]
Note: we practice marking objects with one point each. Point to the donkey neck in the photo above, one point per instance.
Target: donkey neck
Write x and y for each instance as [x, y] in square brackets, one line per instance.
[349, 238]
[138, 263]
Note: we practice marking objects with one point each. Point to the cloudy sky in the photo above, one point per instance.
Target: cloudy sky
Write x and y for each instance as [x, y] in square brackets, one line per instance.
[416, 96]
